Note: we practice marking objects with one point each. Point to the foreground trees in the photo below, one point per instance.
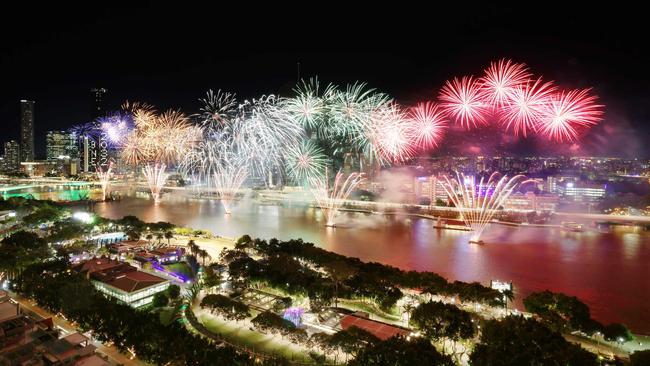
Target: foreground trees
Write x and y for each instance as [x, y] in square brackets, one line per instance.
[400, 352]
[55, 288]
[19, 250]
[438, 320]
[515, 341]
[226, 307]
[564, 313]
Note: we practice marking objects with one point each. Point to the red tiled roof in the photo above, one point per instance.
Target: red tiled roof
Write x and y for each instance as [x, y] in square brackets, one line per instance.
[96, 264]
[133, 281]
[381, 330]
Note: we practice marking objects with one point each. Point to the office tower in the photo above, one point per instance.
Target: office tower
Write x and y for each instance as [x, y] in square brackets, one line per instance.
[60, 144]
[95, 149]
[12, 156]
[98, 108]
[27, 130]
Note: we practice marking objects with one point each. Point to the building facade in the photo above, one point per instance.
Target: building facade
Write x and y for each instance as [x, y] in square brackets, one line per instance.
[122, 281]
[11, 161]
[581, 192]
[27, 130]
[60, 145]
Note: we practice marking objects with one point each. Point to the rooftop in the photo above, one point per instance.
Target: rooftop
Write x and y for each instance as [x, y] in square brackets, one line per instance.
[380, 330]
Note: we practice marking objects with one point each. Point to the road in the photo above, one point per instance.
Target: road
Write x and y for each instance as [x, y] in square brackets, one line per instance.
[66, 327]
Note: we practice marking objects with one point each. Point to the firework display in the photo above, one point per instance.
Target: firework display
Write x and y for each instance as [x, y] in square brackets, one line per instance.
[305, 162]
[104, 178]
[478, 202]
[274, 140]
[156, 141]
[508, 94]
[156, 178]
[331, 199]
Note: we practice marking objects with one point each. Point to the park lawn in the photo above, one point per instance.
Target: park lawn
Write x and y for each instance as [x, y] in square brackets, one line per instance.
[240, 334]
[358, 305]
[180, 268]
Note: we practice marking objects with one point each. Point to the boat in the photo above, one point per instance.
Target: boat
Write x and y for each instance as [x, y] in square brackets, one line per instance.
[572, 226]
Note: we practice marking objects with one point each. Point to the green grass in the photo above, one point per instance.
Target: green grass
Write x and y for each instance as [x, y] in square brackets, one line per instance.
[180, 268]
[242, 336]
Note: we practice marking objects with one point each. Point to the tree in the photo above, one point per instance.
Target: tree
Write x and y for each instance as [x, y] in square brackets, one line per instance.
[397, 351]
[515, 340]
[149, 237]
[339, 272]
[439, 320]
[211, 277]
[226, 307]
[192, 247]
[560, 311]
[352, 340]
[133, 234]
[43, 215]
[173, 291]
[160, 299]
[617, 332]
[169, 236]
[203, 254]
[159, 237]
[640, 358]
[20, 250]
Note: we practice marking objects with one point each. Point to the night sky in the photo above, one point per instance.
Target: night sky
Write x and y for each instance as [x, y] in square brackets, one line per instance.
[170, 55]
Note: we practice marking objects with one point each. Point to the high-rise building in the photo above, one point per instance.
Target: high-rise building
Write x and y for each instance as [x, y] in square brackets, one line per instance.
[27, 130]
[12, 156]
[95, 149]
[98, 109]
[59, 144]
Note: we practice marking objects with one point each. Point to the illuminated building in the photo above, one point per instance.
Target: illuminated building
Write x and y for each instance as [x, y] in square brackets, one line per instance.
[580, 191]
[27, 130]
[122, 281]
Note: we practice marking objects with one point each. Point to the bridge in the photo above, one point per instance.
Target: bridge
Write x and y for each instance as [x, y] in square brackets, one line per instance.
[39, 183]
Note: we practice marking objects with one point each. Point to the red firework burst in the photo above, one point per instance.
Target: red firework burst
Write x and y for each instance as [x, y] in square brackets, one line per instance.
[427, 123]
[462, 101]
[526, 105]
[500, 79]
[569, 112]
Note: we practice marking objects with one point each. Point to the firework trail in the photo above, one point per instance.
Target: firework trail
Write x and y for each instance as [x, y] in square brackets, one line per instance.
[310, 106]
[390, 135]
[227, 181]
[331, 200]
[478, 203]
[526, 106]
[567, 113]
[115, 127]
[427, 125]
[500, 79]
[156, 178]
[461, 99]
[158, 141]
[218, 109]
[104, 178]
[305, 162]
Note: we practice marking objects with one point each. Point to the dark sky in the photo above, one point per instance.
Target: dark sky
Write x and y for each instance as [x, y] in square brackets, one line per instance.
[170, 54]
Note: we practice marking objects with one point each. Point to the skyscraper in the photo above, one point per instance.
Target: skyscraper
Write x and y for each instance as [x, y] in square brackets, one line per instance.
[60, 144]
[27, 130]
[98, 109]
[12, 156]
[95, 150]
